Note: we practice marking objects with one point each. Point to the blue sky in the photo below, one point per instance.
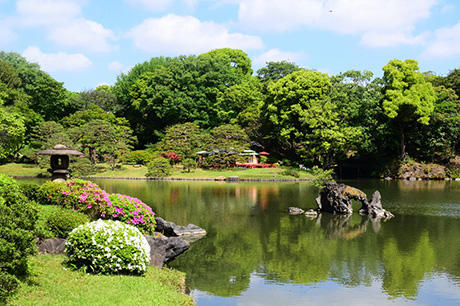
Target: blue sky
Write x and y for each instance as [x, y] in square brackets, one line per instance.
[86, 43]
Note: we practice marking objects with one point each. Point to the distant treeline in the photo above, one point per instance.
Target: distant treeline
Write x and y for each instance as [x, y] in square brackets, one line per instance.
[300, 116]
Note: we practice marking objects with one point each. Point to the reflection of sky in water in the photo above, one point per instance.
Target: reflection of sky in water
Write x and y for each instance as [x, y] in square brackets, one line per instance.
[266, 293]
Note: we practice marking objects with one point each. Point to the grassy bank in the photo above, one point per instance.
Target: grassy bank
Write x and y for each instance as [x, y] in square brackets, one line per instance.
[140, 171]
[53, 284]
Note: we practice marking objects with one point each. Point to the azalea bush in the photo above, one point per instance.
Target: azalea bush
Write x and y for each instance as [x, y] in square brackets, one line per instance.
[79, 195]
[88, 198]
[106, 246]
[131, 210]
[17, 223]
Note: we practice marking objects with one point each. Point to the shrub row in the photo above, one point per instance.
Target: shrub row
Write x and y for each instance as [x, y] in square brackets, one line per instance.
[17, 222]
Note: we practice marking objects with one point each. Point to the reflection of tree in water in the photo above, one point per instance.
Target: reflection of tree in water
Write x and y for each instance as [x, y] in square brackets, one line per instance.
[405, 270]
[250, 231]
[301, 254]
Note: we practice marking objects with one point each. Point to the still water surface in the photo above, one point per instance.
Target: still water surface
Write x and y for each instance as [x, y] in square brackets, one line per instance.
[256, 254]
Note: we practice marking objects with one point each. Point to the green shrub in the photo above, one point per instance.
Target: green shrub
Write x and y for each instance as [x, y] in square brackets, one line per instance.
[189, 165]
[31, 191]
[131, 210]
[108, 247]
[139, 157]
[62, 221]
[158, 167]
[291, 172]
[17, 223]
[322, 176]
[81, 166]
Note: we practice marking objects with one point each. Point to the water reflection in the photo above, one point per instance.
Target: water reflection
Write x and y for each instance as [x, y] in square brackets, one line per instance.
[249, 231]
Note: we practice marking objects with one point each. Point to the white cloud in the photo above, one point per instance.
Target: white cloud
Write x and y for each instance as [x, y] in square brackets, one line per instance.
[445, 43]
[187, 34]
[83, 33]
[115, 66]
[275, 55]
[392, 19]
[161, 5]
[60, 61]
[64, 24]
[376, 39]
[47, 12]
[152, 5]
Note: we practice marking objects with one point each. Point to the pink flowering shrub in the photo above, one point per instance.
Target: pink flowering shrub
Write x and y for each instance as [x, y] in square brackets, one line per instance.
[79, 195]
[132, 211]
[88, 198]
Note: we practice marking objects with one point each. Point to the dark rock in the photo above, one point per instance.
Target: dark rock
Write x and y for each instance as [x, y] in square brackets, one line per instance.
[337, 199]
[51, 246]
[295, 211]
[165, 249]
[170, 229]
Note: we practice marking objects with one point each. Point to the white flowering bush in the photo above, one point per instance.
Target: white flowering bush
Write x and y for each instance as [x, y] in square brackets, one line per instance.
[106, 246]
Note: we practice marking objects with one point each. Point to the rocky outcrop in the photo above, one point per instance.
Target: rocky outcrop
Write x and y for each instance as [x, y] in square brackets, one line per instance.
[170, 229]
[337, 199]
[51, 246]
[374, 208]
[417, 170]
[164, 249]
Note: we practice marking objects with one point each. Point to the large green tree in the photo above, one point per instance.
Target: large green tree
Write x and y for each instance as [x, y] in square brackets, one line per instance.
[303, 122]
[408, 98]
[12, 132]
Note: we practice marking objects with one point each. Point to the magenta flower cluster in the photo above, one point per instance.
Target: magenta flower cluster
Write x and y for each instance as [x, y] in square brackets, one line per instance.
[89, 198]
[133, 211]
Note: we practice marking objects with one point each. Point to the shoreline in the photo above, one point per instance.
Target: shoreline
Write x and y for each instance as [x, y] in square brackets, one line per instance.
[227, 179]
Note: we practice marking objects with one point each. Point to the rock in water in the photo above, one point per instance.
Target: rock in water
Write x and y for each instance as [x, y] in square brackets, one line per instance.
[170, 229]
[164, 250]
[374, 208]
[337, 199]
[295, 211]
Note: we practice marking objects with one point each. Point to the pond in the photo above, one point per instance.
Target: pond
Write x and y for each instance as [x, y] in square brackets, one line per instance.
[256, 254]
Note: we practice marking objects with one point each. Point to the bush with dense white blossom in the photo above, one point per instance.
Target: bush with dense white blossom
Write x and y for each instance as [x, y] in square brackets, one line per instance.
[106, 246]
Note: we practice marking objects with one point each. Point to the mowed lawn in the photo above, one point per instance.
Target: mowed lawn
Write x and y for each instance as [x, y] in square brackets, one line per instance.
[140, 171]
[53, 284]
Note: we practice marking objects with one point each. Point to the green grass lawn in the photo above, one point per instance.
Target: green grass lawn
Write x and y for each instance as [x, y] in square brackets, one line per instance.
[53, 284]
[140, 171]
[14, 169]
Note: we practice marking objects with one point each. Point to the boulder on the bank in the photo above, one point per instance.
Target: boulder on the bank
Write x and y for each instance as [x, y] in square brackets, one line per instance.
[164, 249]
[337, 199]
[295, 211]
[170, 229]
[51, 246]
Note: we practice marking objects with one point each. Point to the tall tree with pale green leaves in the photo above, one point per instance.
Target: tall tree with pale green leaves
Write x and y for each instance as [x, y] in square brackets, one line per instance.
[303, 120]
[408, 97]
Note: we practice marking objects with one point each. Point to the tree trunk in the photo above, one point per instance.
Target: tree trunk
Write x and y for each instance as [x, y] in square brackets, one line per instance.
[91, 155]
[402, 144]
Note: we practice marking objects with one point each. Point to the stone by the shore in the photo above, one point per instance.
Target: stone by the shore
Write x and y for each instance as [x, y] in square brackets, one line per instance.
[51, 246]
[163, 250]
[295, 211]
[170, 229]
[311, 213]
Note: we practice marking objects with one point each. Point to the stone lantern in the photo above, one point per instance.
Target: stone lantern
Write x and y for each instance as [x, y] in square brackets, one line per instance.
[59, 161]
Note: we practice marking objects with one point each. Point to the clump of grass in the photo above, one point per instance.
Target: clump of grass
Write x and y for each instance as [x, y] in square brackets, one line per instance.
[53, 284]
